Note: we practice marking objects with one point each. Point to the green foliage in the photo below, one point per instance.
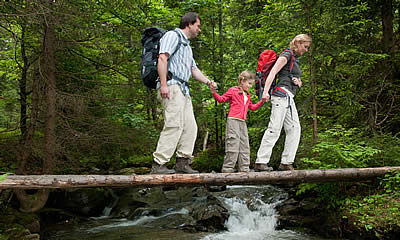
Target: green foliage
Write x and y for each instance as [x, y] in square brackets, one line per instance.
[379, 212]
[390, 150]
[342, 148]
[7, 134]
[330, 194]
[128, 116]
[208, 161]
[305, 187]
[3, 177]
[137, 161]
[391, 182]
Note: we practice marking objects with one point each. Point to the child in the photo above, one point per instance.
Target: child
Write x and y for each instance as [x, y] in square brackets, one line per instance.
[237, 146]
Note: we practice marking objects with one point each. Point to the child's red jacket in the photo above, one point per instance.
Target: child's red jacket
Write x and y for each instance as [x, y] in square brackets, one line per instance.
[238, 109]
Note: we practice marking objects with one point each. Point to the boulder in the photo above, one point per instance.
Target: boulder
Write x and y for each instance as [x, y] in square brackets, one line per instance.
[188, 208]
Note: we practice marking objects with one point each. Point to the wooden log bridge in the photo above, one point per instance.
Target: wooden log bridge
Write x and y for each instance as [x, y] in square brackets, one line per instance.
[252, 178]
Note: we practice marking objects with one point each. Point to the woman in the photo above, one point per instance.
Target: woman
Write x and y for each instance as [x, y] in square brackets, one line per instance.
[284, 112]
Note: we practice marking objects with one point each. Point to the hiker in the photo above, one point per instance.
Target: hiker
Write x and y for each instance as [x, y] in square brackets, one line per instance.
[283, 113]
[237, 148]
[180, 128]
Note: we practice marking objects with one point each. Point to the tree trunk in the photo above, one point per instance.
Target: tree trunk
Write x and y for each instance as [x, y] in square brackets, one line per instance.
[26, 143]
[29, 203]
[312, 80]
[214, 71]
[221, 69]
[34, 202]
[22, 84]
[51, 97]
[387, 26]
[254, 178]
[205, 140]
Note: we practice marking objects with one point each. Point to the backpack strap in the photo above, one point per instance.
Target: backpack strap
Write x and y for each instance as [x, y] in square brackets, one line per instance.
[291, 60]
[170, 76]
[179, 42]
[277, 91]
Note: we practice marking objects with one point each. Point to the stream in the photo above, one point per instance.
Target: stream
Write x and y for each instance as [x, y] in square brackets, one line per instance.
[252, 216]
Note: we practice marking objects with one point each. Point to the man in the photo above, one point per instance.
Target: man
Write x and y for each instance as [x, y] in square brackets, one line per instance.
[180, 128]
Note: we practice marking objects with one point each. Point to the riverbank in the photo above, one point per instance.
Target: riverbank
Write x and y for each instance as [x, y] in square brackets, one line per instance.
[345, 210]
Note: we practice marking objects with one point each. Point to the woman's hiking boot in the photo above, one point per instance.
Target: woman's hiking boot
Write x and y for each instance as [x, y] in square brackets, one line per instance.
[182, 166]
[262, 167]
[285, 167]
[160, 169]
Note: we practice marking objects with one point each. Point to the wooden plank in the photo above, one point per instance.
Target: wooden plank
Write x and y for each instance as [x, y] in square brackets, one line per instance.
[252, 178]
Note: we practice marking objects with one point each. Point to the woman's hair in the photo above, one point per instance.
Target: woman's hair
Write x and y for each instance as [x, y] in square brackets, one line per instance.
[299, 39]
[246, 75]
[187, 19]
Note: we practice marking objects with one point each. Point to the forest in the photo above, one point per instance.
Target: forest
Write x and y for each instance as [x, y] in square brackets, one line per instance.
[72, 100]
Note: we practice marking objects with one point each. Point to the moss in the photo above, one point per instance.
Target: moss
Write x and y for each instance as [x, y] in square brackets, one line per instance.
[15, 224]
[3, 237]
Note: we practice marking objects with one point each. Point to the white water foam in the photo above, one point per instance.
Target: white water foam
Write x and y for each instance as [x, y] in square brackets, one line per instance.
[140, 221]
[244, 223]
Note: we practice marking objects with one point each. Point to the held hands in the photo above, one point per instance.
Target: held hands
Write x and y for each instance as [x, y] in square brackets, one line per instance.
[164, 90]
[265, 97]
[212, 86]
[297, 81]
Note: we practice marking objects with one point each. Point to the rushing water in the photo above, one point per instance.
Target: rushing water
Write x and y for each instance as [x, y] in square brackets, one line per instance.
[252, 217]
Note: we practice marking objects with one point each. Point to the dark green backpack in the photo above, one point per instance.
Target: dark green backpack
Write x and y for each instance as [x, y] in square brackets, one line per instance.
[151, 46]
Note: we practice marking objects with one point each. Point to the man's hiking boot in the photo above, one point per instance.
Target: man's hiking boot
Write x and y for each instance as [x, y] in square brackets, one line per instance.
[285, 167]
[262, 167]
[161, 169]
[182, 166]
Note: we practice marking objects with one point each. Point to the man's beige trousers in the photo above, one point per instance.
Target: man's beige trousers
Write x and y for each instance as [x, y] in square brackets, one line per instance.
[180, 128]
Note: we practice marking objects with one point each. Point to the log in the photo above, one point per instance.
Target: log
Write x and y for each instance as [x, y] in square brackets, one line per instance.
[252, 178]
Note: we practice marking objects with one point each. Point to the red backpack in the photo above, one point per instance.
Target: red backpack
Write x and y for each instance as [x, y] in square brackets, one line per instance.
[266, 61]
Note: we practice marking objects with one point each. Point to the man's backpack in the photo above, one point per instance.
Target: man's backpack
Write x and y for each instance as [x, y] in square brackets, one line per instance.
[151, 46]
[266, 61]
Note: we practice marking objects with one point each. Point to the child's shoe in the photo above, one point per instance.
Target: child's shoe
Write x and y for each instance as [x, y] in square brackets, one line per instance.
[228, 170]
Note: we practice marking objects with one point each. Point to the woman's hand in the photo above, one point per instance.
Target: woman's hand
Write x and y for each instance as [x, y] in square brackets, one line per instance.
[265, 97]
[297, 81]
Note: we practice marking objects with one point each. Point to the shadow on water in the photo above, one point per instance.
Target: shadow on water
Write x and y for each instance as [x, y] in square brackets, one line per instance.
[121, 229]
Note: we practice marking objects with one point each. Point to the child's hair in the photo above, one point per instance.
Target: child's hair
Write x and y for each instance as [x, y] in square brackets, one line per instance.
[246, 75]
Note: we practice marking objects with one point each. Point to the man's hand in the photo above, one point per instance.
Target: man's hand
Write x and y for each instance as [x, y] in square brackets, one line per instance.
[164, 92]
[212, 86]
